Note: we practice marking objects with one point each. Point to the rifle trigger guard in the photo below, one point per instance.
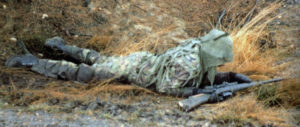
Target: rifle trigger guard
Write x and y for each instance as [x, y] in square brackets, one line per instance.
[213, 97]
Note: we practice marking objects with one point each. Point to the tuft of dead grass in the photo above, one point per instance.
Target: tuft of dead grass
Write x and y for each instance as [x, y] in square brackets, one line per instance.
[248, 110]
[98, 42]
[149, 42]
[251, 57]
[69, 91]
[288, 92]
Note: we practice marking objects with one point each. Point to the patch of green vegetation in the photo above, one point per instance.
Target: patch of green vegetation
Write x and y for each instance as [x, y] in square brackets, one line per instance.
[41, 107]
[267, 94]
[107, 115]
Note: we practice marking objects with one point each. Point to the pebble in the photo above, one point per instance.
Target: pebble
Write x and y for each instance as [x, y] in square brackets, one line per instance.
[297, 53]
[40, 54]
[13, 39]
[207, 124]
[96, 104]
[93, 106]
[72, 105]
[44, 16]
[214, 125]
[278, 22]
[53, 101]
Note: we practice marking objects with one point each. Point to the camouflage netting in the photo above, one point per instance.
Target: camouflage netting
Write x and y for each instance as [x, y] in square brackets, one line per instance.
[188, 62]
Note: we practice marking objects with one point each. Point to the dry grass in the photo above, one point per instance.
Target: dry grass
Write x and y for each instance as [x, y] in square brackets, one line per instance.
[248, 110]
[254, 59]
[288, 92]
[69, 91]
[251, 57]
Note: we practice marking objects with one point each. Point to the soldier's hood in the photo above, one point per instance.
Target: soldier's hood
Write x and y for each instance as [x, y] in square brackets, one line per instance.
[216, 49]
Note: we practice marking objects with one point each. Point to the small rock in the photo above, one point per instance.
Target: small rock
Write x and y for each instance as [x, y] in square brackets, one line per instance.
[297, 53]
[53, 101]
[292, 46]
[72, 104]
[113, 107]
[207, 124]
[44, 16]
[99, 18]
[114, 110]
[83, 107]
[192, 123]
[278, 22]
[93, 106]
[98, 100]
[13, 39]
[40, 54]
[214, 125]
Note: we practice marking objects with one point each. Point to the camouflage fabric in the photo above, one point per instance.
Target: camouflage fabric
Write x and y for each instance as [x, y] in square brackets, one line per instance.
[188, 62]
[171, 71]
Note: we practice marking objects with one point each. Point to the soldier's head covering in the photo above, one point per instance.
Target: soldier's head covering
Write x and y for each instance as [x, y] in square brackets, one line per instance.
[216, 49]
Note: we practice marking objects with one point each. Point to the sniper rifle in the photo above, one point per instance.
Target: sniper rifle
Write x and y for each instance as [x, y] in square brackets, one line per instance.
[218, 92]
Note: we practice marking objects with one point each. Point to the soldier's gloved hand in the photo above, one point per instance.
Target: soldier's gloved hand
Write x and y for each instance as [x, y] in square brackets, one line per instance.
[240, 78]
[231, 77]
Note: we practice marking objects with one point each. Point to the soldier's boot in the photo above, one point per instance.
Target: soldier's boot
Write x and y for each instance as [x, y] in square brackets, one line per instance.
[64, 70]
[83, 55]
[27, 60]
[56, 43]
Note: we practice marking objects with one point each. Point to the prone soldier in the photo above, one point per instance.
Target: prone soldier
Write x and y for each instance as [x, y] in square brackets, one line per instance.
[180, 71]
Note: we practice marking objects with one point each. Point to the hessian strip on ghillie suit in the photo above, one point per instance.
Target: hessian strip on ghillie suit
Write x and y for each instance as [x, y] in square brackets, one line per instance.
[179, 71]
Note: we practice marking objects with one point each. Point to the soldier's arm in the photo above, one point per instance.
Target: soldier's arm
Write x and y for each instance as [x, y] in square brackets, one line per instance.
[231, 77]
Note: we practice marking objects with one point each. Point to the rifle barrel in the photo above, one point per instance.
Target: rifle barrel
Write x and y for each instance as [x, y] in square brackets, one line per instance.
[237, 87]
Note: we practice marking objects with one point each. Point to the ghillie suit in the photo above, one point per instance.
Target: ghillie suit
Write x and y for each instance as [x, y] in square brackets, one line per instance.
[179, 71]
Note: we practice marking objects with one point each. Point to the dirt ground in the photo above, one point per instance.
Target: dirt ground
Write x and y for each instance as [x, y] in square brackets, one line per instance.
[117, 28]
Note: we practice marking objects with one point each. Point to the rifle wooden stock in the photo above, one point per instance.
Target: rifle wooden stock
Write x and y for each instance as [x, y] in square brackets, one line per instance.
[193, 101]
[196, 100]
